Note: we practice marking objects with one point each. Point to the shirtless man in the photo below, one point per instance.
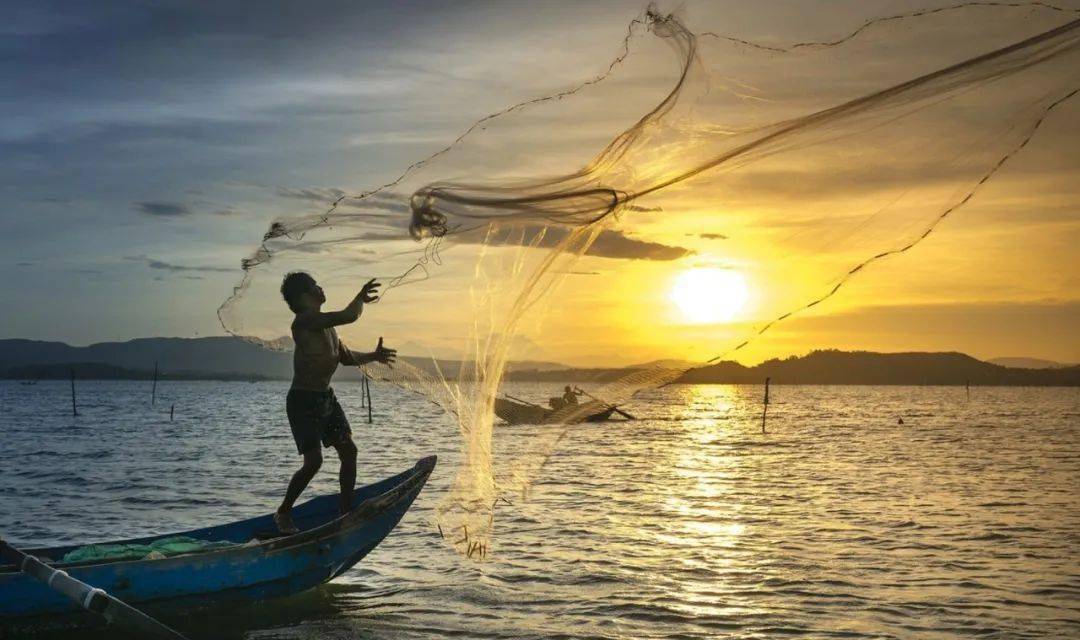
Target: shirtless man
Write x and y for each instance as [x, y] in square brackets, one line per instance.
[314, 413]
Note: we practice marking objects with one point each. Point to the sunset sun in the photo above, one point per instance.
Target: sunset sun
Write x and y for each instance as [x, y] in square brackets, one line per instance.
[708, 294]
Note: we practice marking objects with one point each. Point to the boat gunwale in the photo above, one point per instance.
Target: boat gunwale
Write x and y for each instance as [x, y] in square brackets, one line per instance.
[418, 474]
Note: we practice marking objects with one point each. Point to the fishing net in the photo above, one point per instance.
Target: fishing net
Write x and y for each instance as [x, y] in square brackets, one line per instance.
[163, 548]
[552, 230]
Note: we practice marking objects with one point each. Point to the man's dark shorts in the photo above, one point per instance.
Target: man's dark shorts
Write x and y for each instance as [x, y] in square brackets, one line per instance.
[315, 416]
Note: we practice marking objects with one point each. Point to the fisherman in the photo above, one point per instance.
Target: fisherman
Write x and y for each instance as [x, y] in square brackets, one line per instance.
[567, 399]
[314, 413]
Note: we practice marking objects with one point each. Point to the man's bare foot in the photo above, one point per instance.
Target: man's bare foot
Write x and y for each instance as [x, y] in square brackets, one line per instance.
[284, 523]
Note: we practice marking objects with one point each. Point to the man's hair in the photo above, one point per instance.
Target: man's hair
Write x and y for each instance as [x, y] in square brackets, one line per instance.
[294, 285]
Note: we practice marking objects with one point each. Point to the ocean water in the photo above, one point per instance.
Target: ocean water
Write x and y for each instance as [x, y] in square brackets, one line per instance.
[687, 523]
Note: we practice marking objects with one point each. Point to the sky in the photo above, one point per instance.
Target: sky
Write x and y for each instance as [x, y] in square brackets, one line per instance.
[147, 146]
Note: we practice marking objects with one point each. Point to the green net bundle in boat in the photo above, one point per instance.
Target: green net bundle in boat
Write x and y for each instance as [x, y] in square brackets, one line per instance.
[171, 546]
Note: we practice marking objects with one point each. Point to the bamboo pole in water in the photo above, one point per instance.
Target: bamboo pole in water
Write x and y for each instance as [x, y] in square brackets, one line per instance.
[765, 409]
[153, 390]
[367, 391]
[74, 411]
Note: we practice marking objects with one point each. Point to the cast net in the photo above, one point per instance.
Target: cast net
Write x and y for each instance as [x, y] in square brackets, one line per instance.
[551, 229]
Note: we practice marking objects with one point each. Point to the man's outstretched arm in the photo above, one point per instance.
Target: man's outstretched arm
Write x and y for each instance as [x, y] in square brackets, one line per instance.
[348, 315]
[380, 354]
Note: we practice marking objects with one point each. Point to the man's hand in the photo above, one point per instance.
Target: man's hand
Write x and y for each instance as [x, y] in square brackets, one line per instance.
[348, 315]
[384, 355]
[369, 293]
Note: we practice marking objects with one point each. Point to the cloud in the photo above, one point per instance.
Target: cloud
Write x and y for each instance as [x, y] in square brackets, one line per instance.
[385, 201]
[162, 209]
[609, 244]
[161, 265]
[388, 201]
[712, 236]
[311, 194]
[614, 244]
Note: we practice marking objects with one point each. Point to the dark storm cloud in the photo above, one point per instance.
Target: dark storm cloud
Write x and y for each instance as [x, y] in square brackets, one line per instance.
[161, 265]
[163, 209]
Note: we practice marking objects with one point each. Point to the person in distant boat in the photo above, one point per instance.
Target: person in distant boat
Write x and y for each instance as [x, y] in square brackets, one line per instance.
[315, 416]
[568, 398]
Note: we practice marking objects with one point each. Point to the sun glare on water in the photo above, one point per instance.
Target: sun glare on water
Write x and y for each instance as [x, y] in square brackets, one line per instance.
[706, 295]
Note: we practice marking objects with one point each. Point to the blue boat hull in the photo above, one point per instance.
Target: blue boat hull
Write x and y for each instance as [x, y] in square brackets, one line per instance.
[253, 570]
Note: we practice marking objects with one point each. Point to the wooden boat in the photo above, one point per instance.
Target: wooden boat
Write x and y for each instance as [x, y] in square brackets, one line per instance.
[252, 570]
[520, 413]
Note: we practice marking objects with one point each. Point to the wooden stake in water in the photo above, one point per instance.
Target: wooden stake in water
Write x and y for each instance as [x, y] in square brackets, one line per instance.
[74, 411]
[153, 390]
[765, 410]
[172, 408]
[967, 388]
[367, 390]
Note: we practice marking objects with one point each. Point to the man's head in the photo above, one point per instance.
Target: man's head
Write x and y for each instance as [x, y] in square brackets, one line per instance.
[301, 292]
[567, 389]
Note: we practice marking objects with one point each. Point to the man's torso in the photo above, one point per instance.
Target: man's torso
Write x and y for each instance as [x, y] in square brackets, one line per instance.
[315, 358]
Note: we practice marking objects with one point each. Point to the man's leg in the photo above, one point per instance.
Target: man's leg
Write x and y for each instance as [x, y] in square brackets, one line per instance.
[347, 476]
[300, 479]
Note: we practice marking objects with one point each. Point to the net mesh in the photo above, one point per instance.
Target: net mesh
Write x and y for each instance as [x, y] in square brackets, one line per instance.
[795, 166]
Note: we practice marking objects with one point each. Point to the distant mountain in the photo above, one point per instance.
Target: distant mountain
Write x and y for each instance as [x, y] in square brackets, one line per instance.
[99, 371]
[1029, 363]
[864, 367]
[598, 375]
[231, 358]
[81, 370]
[595, 375]
[668, 363]
[223, 357]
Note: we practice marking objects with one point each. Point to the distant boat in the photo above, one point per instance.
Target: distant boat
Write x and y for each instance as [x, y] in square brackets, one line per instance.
[28, 383]
[252, 569]
[514, 412]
